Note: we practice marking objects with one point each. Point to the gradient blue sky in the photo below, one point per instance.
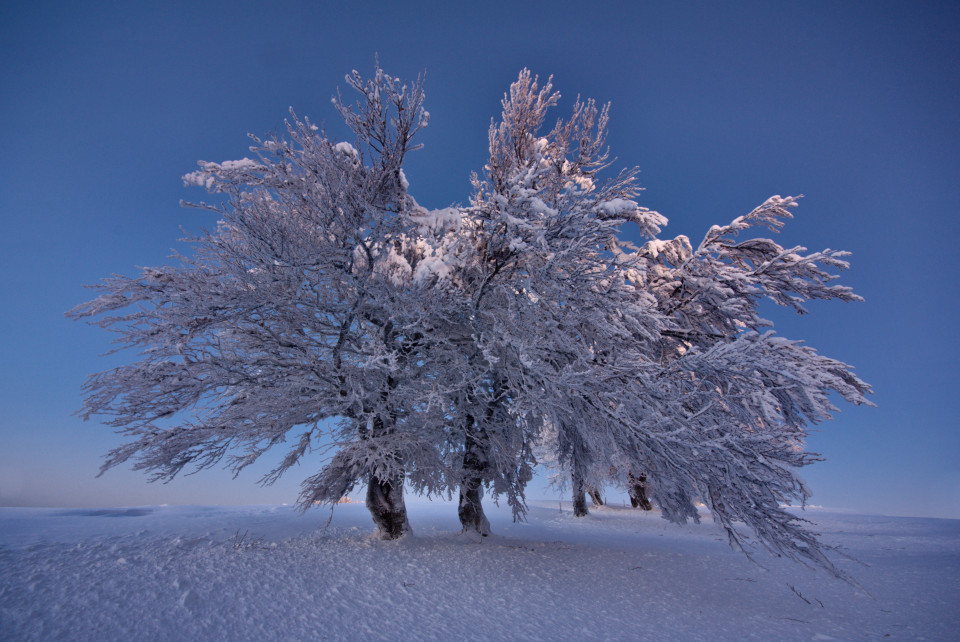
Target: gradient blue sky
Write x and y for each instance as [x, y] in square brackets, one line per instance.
[105, 105]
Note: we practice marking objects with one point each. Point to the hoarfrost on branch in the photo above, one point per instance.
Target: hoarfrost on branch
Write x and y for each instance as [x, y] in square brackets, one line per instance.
[330, 314]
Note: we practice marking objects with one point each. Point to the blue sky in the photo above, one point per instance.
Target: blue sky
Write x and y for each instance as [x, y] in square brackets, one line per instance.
[105, 105]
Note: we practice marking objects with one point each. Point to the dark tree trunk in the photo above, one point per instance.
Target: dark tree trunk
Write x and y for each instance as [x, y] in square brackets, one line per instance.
[579, 495]
[472, 518]
[385, 496]
[595, 496]
[471, 513]
[638, 492]
[385, 503]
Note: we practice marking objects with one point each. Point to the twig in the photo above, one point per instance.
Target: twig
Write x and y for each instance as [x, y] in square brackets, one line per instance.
[800, 595]
[329, 519]
[240, 542]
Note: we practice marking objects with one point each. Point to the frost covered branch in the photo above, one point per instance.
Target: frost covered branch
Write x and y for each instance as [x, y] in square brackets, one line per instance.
[450, 349]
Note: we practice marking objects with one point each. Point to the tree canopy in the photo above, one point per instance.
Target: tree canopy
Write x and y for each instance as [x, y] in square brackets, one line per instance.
[394, 344]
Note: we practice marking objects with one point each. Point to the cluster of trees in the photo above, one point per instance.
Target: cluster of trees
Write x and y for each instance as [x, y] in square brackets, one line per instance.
[441, 350]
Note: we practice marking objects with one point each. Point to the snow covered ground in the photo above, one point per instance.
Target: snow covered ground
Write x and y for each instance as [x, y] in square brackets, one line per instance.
[269, 573]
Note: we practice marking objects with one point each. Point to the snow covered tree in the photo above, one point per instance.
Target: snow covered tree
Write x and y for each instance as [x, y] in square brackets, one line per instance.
[294, 312]
[441, 348]
[530, 256]
[653, 357]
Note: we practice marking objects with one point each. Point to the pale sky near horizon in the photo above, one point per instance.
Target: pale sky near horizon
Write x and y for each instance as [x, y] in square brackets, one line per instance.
[856, 105]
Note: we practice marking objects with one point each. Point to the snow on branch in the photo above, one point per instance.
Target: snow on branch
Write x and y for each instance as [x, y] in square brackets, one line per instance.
[451, 349]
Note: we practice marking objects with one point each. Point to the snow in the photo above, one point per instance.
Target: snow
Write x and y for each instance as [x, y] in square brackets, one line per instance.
[618, 207]
[268, 572]
[239, 165]
[346, 149]
[437, 221]
[432, 264]
[206, 176]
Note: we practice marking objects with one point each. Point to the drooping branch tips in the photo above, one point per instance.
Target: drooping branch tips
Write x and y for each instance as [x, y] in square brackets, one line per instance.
[387, 117]
[454, 350]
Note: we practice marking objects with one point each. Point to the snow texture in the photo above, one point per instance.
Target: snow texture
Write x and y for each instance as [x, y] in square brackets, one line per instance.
[269, 573]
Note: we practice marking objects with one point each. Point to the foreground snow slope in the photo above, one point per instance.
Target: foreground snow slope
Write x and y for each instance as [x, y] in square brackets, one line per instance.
[267, 572]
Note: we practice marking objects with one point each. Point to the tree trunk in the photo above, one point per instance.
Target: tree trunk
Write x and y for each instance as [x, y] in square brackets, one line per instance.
[638, 492]
[472, 518]
[595, 496]
[579, 495]
[471, 513]
[385, 503]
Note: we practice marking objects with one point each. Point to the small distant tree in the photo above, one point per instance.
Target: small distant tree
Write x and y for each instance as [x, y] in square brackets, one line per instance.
[444, 348]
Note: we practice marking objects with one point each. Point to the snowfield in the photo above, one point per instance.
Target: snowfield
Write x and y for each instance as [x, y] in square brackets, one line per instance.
[270, 573]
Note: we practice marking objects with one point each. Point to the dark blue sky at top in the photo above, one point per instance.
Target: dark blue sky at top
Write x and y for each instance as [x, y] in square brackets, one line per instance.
[856, 105]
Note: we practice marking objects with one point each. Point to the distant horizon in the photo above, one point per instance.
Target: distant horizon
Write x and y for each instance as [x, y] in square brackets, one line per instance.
[410, 498]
